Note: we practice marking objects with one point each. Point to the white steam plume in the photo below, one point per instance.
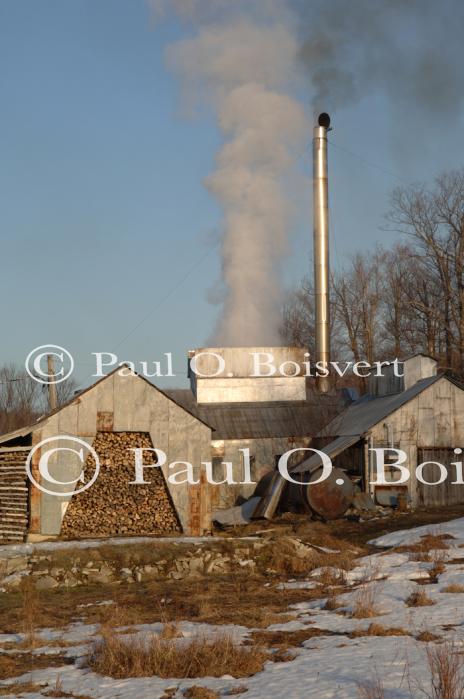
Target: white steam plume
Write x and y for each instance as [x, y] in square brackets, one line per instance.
[245, 55]
[246, 68]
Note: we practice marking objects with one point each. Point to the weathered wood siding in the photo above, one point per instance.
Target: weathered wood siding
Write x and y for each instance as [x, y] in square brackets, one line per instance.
[434, 419]
[446, 493]
[130, 403]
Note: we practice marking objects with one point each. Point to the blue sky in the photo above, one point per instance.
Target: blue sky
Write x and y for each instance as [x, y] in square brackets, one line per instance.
[103, 210]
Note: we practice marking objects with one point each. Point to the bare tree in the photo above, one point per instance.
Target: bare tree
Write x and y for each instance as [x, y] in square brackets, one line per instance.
[434, 220]
[20, 398]
[298, 319]
[392, 303]
[298, 322]
[65, 391]
[23, 400]
[410, 299]
[358, 299]
[346, 307]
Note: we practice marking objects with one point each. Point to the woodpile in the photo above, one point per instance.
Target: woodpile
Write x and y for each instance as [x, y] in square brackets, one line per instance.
[14, 494]
[112, 506]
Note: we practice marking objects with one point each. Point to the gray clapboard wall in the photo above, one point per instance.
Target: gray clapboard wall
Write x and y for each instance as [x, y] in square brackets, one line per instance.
[442, 494]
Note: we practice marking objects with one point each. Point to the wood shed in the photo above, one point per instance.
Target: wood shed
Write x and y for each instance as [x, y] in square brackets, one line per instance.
[421, 414]
[114, 415]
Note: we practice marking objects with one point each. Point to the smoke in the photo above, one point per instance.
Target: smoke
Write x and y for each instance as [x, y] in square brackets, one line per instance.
[411, 50]
[246, 68]
[251, 59]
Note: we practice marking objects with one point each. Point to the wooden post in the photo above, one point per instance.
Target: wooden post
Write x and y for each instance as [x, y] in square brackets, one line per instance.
[52, 397]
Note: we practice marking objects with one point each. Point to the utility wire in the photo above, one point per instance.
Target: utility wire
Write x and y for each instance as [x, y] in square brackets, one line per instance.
[151, 311]
[20, 378]
[368, 162]
[206, 255]
[170, 292]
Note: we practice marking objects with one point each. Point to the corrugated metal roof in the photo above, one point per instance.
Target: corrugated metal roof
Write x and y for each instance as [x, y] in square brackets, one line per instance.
[243, 420]
[359, 417]
[332, 450]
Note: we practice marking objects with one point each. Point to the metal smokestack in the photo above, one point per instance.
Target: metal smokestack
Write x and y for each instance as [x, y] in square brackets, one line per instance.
[321, 245]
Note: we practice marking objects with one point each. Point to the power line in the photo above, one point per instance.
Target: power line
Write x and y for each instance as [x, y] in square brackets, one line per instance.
[20, 378]
[368, 162]
[170, 292]
[208, 252]
[151, 311]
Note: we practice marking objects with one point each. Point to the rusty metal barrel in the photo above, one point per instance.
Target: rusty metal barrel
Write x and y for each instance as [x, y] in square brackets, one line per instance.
[328, 499]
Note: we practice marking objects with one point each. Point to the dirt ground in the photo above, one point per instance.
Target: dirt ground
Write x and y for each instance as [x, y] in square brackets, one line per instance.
[254, 600]
[236, 597]
[352, 530]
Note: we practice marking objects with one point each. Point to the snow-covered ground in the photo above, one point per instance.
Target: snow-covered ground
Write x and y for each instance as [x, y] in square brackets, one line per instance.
[327, 666]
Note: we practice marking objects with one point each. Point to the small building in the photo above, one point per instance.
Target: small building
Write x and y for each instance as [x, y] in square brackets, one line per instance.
[266, 415]
[266, 430]
[420, 413]
[252, 419]
[226, 417]
[116, 414]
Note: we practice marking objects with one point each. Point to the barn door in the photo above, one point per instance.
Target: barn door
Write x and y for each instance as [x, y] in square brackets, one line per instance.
[445, 493]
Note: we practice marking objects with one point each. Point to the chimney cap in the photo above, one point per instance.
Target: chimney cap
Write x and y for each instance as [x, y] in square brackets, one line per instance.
[324, 120]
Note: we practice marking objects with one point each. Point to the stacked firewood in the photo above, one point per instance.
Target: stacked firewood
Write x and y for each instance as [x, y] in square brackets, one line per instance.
[114, 506]
[14, 490]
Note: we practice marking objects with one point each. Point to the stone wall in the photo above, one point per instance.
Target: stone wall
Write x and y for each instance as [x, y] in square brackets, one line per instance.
[125, 564]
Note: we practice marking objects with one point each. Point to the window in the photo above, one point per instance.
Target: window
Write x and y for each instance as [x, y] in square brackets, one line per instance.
[218, 469]
[252, 466]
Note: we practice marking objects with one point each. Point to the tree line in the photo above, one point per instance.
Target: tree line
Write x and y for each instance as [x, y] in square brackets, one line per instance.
[24, 400]
[394, 302]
